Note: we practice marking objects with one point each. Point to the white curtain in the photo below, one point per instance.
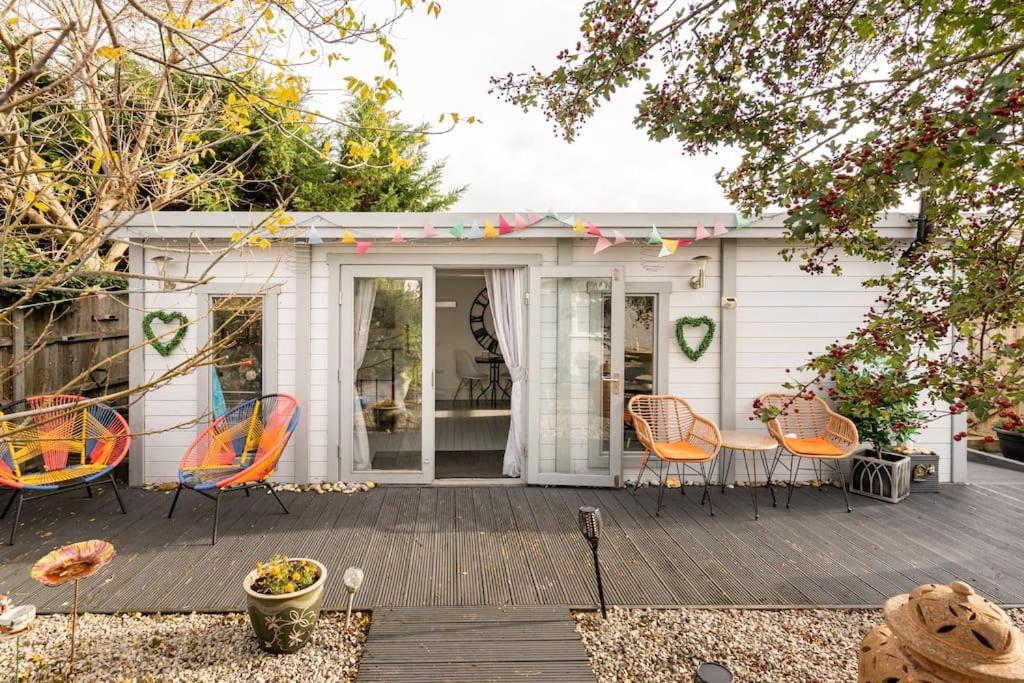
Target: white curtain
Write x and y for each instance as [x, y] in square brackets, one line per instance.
[362, 311]
[505, 289]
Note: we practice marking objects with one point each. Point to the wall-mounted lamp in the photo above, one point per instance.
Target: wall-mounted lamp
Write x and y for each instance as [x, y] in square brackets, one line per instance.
[161, 270]
[697, 281]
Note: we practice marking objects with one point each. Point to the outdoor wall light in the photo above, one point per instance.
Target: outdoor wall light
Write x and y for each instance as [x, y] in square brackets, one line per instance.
[590, 526]
[697, 281]
[353, 579]
[712, 672]
[161, 270]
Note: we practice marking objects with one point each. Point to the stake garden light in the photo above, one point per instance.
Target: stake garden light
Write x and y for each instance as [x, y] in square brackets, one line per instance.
[353, 579]
[590, 527]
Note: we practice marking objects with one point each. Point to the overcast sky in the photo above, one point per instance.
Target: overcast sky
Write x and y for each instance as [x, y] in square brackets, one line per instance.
[514, 160]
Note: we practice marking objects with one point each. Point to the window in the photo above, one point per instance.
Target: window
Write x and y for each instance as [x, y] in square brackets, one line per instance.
[640, 348]
[237, 324]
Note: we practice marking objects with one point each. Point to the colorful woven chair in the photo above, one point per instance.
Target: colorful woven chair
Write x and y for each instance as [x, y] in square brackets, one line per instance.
[668, 428]
[66, 444]
[239, 451]
[808, 429]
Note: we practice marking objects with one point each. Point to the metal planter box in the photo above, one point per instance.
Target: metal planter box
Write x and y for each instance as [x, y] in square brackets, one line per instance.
[886, 478]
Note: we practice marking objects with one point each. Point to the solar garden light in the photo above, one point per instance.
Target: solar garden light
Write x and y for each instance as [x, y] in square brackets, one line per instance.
[590, 527]
[353, 579]
[712, 672]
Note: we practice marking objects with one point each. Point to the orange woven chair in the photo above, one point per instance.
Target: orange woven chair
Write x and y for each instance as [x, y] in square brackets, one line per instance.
[668, 428]
[64, 446]
[808, 429]
[239, 451]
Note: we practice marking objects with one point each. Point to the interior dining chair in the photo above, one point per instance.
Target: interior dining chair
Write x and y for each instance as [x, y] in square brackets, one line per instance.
[469, 374]
[668, 428]
[807, 428]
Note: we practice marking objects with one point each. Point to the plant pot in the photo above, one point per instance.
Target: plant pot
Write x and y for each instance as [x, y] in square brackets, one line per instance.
[886, 478]
[386, 418]
[284, 623]
[1011, 444]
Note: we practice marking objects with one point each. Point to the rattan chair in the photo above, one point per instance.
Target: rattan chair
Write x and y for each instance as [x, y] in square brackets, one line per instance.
[239, 451]
[668, 427]
[808, 429]
[66, 444]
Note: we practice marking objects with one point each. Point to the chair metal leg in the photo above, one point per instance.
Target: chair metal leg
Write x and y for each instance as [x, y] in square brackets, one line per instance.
[271, 489]
[727, 464]
[117, 494]
[10, 502]
[706, 472]
[174, 502]
[216, 516]
[643, 466]
[246, 491]
[17, 517]
[88, 491]
[842, 479]
[793, 474]
[661, 488]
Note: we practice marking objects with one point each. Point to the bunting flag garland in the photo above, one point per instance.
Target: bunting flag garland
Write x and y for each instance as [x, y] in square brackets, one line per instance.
[532, 217]
[520, 222]
[475, 232]
[655, 236]
[397, 237]
[503, 226]
[719, 228]
[594, 230]
[701, 232]
[742, 221]
[490, 232]
[684, 243]
[458, 231]
[619, 237]
[313, 237]
[363, 247]
[601, 245]
[429, 230]
[552, 215]
[668, 247]
[348, 237]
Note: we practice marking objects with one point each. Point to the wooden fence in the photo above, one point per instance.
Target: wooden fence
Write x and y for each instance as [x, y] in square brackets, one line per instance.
[43, 348]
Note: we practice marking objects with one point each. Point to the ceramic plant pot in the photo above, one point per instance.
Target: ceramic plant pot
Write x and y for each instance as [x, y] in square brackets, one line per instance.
[1011, 443]
[284, 623]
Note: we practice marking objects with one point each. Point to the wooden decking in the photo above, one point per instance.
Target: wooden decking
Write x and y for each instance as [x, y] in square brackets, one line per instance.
[418, 644]
[520, 546]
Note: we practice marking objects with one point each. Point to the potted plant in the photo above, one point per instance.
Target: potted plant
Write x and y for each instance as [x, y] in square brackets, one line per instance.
[884, 409]
[283, 596]
[1010, 430]
[385, 415]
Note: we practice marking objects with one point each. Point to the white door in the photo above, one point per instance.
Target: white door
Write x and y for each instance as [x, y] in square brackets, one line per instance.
[575, 378]
[387, 374]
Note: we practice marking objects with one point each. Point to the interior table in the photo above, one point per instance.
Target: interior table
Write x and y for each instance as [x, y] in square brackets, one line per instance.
[752, 446]
[494, 385]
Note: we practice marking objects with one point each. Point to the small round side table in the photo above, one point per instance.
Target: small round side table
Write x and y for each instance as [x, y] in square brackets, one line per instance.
[16, 637]
[752, 445]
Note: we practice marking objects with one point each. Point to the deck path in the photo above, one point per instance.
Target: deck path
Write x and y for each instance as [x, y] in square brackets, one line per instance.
[427, 644]
[474, 546]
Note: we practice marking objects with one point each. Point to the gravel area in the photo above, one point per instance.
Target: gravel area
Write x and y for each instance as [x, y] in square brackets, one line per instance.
[798, 646]
[183, 647]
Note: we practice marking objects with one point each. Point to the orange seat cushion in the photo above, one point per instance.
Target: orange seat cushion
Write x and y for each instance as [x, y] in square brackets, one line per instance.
[679, 450]
[813, 446]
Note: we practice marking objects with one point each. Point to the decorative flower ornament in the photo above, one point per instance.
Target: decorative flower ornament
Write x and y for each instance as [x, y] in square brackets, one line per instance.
[72, 562]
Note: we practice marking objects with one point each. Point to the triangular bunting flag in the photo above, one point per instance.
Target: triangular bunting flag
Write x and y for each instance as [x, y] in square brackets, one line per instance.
[503, 226]
[619, 237]
[532, 217]
[362, 247]
[348, 237]
[684, 243]
[742, 221]
[594, 230]
[474, 231]
[458, 230]
[312, 236]
[397, 237]
[552, 215]
[429, 230]
[669, 245]
[520, 222]
[664, 251]
[601, 245]
[719, 228]
[490, 232]
[570, 221]
[701, 232]
[655, 236]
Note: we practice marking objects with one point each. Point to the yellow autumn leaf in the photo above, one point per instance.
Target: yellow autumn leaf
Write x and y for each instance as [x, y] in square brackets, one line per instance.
[268, 14]
[109, 52]
[30, 196]
[434, 8]
[236, 235]
[264, 243]
[13, 20]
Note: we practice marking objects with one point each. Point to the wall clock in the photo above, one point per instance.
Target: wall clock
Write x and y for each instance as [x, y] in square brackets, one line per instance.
[478, 325]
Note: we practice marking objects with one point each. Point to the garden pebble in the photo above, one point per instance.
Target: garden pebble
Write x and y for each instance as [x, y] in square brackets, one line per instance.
[184, 647]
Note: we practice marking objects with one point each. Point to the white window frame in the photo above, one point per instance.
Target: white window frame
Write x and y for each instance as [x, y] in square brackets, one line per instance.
[663, 334]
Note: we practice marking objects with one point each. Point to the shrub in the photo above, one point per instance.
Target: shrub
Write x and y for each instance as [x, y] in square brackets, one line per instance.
[881, 404]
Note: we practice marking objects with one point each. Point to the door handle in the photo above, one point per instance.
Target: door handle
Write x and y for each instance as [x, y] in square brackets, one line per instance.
[617, 379]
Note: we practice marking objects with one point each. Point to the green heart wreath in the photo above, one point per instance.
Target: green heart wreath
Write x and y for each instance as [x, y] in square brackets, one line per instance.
[688, 321]
[164, 348]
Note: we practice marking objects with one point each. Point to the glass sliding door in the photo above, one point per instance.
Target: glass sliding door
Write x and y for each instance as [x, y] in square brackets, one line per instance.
[576, 375]
[387, 371]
